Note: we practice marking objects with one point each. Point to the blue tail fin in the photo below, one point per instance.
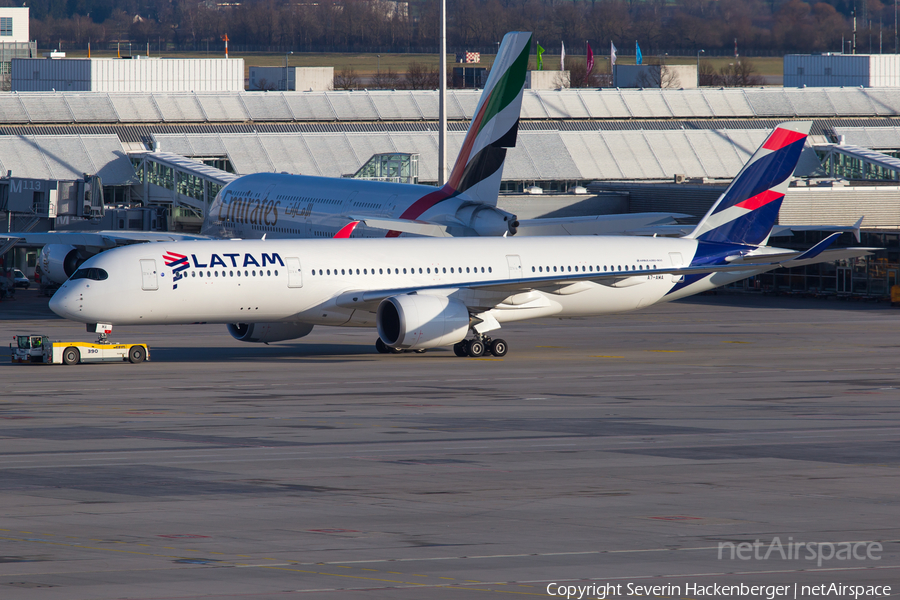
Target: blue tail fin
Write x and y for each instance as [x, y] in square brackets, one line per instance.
[747, 211]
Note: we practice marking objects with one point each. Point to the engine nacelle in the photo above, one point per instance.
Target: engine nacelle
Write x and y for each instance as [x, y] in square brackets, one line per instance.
[264, 333]
[487, 220]
[417, 321]
[59, 261]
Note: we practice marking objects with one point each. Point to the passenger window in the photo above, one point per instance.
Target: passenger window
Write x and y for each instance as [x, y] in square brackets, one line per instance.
[328, 271]
[365, 272]
[445, 269]
[482, 269]
[254, 273]
[451, 269]
[467, 269]
[216, 272]
[269, 273]
[428, 270]
[554, 269]
[532, 269]
[276, 273]
[640, 267]
[404, 271]
[592, 268]
[489, 270]
[420, 270]
[541, 269]
[193, 273]
[231, 273]
[380, 272]
[570, 269]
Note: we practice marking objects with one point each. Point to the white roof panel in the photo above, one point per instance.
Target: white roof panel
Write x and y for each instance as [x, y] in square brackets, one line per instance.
[91, 109]
[727, 103]
[605, 104]
[428, 105]
[532, 107]
[223, 107]
[46, 108]
[393, 106]
[333, 154]
[309, 106]
[352, 106]
[135, 108]
[11, 109]
[247, 154]
[179, 107]
[885, 102]
[550, 156]
[686, 103]
[267, 106]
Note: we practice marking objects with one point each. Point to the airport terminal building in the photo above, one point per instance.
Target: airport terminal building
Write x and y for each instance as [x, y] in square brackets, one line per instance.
[159, 158]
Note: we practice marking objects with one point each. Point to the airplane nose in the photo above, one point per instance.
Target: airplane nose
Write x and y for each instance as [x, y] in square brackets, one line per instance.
[65, 304]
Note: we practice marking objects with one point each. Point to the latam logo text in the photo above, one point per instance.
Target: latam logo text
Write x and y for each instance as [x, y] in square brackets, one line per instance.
[179, 262]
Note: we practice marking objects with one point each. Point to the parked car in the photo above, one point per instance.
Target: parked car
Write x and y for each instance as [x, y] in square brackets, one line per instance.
[20, 280]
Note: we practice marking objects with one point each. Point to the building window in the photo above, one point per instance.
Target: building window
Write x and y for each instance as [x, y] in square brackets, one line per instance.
[6, 27]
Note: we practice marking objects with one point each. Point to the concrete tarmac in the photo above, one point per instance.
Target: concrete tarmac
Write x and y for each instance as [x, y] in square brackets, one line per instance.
[640, 449]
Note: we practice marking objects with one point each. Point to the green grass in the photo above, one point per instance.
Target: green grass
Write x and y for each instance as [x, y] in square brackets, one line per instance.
[366, 64]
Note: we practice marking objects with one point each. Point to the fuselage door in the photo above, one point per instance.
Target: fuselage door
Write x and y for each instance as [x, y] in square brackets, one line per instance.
[148, 274]
[515, 266]
[677, 261]
[295, 275]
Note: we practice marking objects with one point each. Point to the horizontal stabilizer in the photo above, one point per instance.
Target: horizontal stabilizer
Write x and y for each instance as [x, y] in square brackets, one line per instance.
[783, 230]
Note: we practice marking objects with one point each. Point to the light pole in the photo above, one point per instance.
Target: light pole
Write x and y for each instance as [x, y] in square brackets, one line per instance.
[286, 55]
[378, 68]
[699, 52]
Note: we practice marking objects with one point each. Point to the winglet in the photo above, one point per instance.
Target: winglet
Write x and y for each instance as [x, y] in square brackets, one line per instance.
[346, 230]
[818, 248]
[856, 228]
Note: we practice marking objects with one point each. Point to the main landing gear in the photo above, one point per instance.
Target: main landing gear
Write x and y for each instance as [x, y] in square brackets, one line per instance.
[480, 346]
[385, 349]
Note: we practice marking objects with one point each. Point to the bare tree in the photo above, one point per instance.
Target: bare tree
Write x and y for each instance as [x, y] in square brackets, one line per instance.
[741, 73]
[346, 79]
[386, 80]
[578, 75]
[658, 76]
[420, 76]
[706, 75]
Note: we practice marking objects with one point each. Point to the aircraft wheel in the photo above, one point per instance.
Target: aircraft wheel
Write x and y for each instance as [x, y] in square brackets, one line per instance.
[459, 349]
[136, 355]
[381, 347]
[71, 356]
[420, 351]
[499, 347]
[476, 348]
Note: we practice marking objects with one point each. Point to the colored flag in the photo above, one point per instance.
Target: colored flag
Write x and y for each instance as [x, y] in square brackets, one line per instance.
[562, 57]
[638, 57]
[590, 59]
[612, 54]
[540, 58]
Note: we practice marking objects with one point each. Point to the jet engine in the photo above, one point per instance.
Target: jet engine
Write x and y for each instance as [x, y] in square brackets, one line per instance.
[416, 321]
[484, 219]
[59, 261]
[264, 333]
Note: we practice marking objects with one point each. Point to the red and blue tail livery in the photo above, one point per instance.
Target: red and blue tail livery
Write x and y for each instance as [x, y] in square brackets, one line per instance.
[747, 211]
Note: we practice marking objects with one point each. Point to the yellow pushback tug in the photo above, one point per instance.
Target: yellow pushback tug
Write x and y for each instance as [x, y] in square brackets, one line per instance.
[40, 349]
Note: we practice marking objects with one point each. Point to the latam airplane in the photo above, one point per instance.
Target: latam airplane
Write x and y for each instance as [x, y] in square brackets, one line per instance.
[425, 293]
[283, 206]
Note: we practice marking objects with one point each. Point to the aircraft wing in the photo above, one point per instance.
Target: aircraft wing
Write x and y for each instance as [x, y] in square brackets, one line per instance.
[597, 224]
[492, 292]
[100, 239]
[592, 225]
[424, 228]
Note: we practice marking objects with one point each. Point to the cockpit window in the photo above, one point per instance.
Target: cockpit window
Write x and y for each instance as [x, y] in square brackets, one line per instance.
[92, 273]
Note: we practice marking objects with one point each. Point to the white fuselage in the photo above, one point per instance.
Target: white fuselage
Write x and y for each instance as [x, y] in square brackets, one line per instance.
[321, 281]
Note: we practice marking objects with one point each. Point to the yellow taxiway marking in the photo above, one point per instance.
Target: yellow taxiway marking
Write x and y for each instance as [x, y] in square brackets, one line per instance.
[663, 350]
[604, 356]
